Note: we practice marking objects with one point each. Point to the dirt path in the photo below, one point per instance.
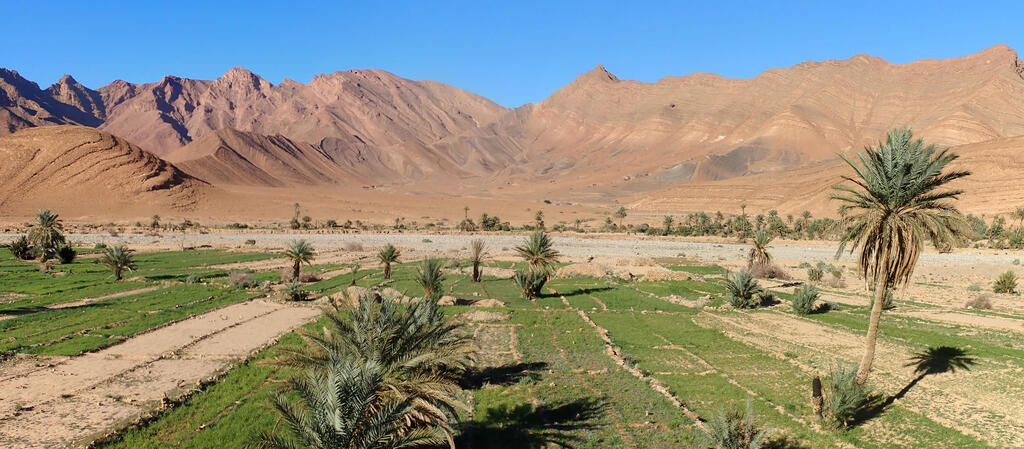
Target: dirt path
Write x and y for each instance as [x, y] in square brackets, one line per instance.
[83, 396]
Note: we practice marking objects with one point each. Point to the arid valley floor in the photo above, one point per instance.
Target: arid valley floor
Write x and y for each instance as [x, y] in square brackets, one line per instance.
[629, 348]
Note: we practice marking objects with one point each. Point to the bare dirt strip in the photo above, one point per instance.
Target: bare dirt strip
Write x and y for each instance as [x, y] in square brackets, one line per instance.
[983, 402]
[68, 400]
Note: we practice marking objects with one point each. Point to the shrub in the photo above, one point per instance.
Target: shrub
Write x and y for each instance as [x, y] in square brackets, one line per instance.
[743, 289]
[66, 254]
[769, 271]
[21, 249]
[1007, 283]
[766, 297]
[814, 274]
[844, 398]
[981, 302]
[974, 288]
[735, 430]
[100, 245]
[294, 291]
[250, 242]
[193, 279]
[241, 279]
[530, 282]
[353, 246]
[804, 299]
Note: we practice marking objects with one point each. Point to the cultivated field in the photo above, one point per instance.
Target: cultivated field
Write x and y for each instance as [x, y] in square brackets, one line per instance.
[594, 362]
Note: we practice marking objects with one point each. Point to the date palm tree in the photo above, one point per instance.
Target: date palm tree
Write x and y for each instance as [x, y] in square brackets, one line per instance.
[348, 407]
[420, 353]
[430, 278]
[539, 252]
[477, 253]
[896, 204]
[388, 256]
[299, 252]
[758, 255]
[118, 258]
[47, 234]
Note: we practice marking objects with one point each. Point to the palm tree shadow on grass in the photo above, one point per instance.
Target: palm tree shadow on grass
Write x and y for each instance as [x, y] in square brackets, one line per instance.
[502, 375]
[934, 360]
[525, 425]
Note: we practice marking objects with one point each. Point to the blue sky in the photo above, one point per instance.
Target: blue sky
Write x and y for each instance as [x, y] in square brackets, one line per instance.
[512, 52]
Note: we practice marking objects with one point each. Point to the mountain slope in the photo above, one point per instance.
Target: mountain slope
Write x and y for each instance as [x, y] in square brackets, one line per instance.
[706, 127]
[993, 187]
[82, 170]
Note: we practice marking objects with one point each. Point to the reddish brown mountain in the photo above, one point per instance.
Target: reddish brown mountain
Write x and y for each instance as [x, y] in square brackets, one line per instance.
[596, 140]
[84, 171]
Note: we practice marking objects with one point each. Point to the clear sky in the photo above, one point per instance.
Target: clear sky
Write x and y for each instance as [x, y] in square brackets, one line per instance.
[512, 52]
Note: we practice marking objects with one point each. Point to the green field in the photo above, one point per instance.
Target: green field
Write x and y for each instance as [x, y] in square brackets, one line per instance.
[545, 376]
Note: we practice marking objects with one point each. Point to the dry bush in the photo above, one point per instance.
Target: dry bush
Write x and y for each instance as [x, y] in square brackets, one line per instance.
[286, 276]
[982, 302]
[353, 246]
[769, 271]
[241, 279]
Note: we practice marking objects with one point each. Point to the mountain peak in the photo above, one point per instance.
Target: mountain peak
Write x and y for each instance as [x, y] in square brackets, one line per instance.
[598, 73]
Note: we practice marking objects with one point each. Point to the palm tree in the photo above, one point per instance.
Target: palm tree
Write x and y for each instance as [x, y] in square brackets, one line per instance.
[1018, 213]
[420, 353]
[668, 224]
[758, 255]
[118, 258]
[620, 214]
[477, 253]
[538, 252]
[46, 234]
[387, 256]
[430, 279]
[895, 208]
[299, 252]
[348, 407]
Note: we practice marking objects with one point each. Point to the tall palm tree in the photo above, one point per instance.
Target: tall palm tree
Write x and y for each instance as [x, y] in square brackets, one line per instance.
[758, 255]
[299, 252]
[896, 205]
[477, 253]
[46, 234]
[430, 279]
[118, 258]
[388, 256]
[620, 214]
[668, 224]
[538, 251]
[347, 407]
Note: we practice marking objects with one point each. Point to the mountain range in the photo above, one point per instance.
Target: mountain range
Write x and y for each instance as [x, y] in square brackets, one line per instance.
[680, 144]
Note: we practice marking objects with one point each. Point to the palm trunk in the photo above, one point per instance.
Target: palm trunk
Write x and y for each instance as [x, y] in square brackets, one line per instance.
[387, 270]
[295, 270]
[117, 274]
[476, 271]
[881, 288]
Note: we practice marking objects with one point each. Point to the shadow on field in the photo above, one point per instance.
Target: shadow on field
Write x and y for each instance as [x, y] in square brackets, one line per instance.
[502, 375]
[934, 360]
[577, 291]
[784, 443]
[525, 426]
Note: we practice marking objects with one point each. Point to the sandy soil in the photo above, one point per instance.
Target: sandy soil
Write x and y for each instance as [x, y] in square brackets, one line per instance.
[51, 403]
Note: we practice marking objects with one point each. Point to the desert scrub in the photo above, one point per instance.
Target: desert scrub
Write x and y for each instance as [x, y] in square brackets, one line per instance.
[736, 430]
[1007, 283]
[805, 298]
[981, 302]
[814, 274]
[193, 279]
[295, 291]
[743, 290]
[241, 279]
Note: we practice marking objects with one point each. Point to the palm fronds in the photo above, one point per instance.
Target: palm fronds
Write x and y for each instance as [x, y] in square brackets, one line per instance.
[388, 256]
[118, 258]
